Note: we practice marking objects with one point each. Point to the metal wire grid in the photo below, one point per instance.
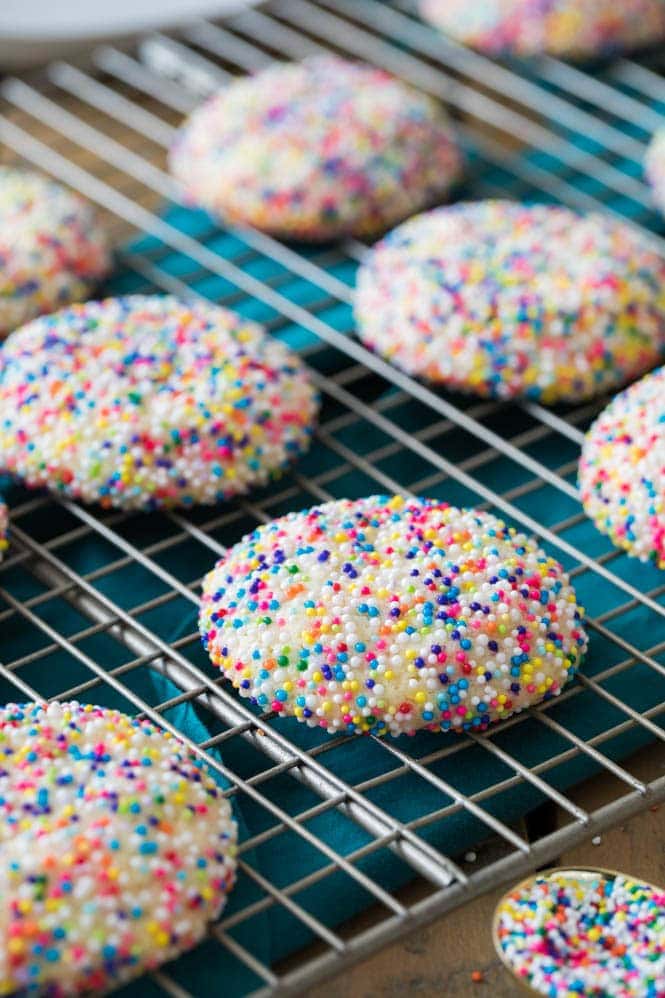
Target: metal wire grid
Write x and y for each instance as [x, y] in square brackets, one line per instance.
[103, 129]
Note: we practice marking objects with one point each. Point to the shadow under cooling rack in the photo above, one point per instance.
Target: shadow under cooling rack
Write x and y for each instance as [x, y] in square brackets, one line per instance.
[101, 606]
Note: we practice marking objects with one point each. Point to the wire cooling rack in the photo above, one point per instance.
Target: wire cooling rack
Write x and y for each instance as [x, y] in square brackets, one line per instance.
[102, 606]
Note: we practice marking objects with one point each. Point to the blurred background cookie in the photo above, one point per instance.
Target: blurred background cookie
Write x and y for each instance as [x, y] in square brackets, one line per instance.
[316, 150]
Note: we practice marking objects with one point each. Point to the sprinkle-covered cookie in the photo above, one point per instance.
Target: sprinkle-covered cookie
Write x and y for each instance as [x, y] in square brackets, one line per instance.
[502, 299]
[654, 168]
[574, 29]
[315, 150]
[622, 469]
[116, 848]
[388, 615]
[52, 248]
[146, 402]
[582, 932]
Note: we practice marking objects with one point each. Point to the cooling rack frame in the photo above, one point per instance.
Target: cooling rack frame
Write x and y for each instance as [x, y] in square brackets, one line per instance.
[102, 126]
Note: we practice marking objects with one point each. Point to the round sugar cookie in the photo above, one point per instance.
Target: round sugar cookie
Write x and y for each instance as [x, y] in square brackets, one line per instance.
[52, 248]
[315, 150]
[575, 29]
[584, 932]
[147, 402]
[386, 615]
[502, 299]
[654, 168]
[622, 469]
[116, 848]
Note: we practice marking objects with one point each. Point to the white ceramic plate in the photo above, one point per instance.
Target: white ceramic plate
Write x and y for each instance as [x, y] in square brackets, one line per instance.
[34, 31]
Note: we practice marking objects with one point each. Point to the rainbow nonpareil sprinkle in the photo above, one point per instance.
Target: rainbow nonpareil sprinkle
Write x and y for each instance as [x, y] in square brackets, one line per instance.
[117, 848]
[52, 247]
[147, 402]
[621, 471]
[315, 150]
[581, 933]
[386, 615]
[569, 28]
[503, 299]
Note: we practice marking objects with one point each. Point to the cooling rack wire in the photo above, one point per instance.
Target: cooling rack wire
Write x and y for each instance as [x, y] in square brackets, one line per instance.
[70, 585]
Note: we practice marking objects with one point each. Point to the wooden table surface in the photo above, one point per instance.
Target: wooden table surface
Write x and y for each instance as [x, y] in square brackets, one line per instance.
[440, 959]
